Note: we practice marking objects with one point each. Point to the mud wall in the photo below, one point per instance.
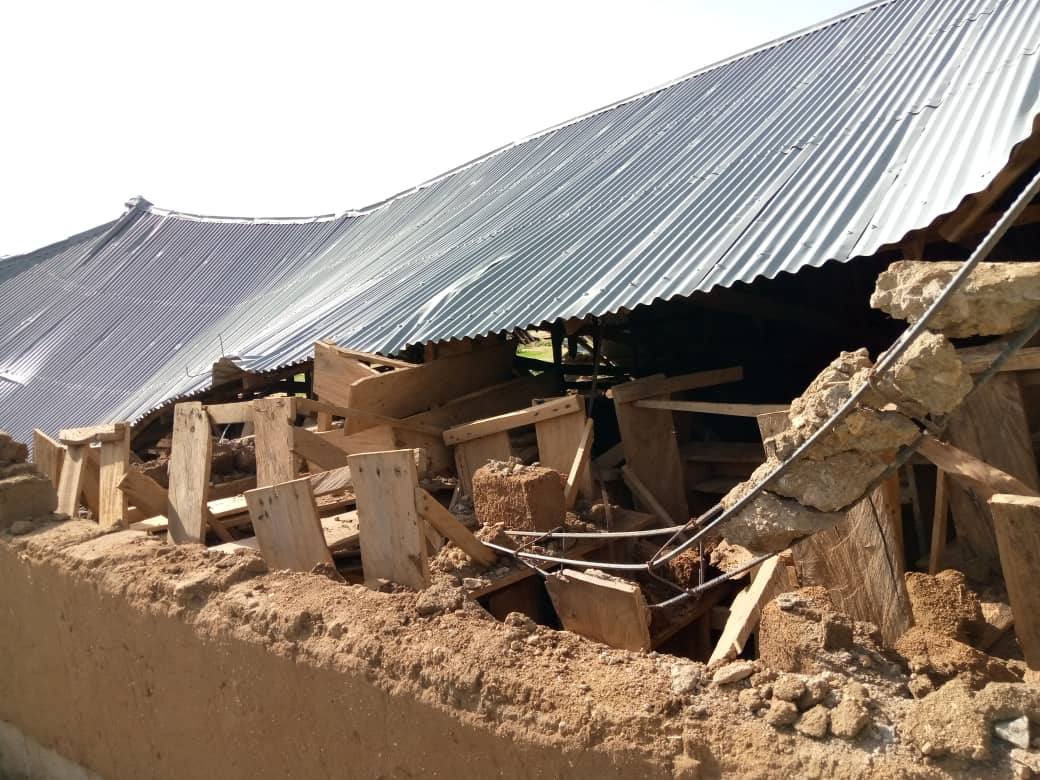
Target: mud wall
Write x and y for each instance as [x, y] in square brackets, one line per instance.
[135, 660]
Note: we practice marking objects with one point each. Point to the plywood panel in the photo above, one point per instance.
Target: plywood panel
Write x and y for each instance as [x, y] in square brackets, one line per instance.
[286, 524]
[471, 455]
[607, 611]
[558, 442]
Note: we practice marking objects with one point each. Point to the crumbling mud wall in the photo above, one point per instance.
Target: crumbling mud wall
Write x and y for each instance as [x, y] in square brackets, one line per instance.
[136, 660]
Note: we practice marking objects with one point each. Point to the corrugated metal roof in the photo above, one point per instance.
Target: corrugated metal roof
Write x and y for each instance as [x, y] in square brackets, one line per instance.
[822, 146]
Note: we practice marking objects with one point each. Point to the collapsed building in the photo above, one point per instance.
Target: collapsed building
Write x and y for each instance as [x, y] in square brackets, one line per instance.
[329, 495]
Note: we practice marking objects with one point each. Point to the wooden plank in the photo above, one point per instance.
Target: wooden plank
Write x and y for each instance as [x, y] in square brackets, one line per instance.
[317, 450]
[707, 407]
[285, 521]
[152, 525]
[448, 525]
[230, 414]
[332, 481]
[660, 385]
[770, 425]
[272, 422]
[383, 438]
[646, 498]
[393, 537]
[144, 492]
[409, 391]
[558, 407]
[769, 580]
[489, 401]
[306, 405]
[48, 455]
[722, 452]
[234, 487]
[652, 455]
[113, 464]
[227, 507]
[71, 483]
[982, 478]
[603, 610]
[355, 355]
[579, 478]
[1017, 524]
[190, 458]
[248, 543]
[992, 426]
[610, 458]
[113, 431]
[471, 455]
[559, 440]
[939, 521]
[978, 359]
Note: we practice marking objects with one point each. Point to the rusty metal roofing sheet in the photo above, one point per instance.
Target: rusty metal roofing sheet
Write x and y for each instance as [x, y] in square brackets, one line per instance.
[821, 146]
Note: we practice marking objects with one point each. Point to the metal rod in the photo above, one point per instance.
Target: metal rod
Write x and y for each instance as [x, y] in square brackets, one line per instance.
[599, 534]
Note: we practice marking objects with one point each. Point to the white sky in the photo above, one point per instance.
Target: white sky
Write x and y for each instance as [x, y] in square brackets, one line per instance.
[287, 109]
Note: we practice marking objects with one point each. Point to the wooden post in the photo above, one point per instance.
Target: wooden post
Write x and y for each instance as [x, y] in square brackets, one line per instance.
[272, 422]
[114, 462]
[393, 535]
[71, 483]
[190, 461]
[939, 520]
[1016, 521]
[288, 531]
[604, 610]
[48, 455]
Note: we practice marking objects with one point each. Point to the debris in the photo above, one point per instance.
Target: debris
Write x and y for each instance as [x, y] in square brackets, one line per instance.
[796, 639]
[1015, 731]
[523, 498]
[733, 672]
[781, 713]
[849, 718]
[815, 723]
[947, 723]
[943, 604]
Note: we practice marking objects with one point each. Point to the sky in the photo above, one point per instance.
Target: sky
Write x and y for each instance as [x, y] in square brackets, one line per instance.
[295, 109]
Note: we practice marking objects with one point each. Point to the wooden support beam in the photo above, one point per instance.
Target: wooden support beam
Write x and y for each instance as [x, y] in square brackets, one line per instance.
[707, 407]
[71, 483]
[939, 523]
[978, 359]
[114, 463]
[307, 406]
[769, 580]
[660, 385]
[190, 460]
[558, 407]
[144, 493]
[285, 521]
[393, 536]
[48, 455]
[95, 434]
[272, 422]
[331, 481]
[579, 477]
[604, 610]
[645, 498]
[367, 357]
[1016, 521]
[230, 414]
[979, 476]
[317, 450]
[448, 525]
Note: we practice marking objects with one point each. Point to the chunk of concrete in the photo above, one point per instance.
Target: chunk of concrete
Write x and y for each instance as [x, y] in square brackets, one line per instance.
[928, 378]
[524, 498]
[796, 630]
[947, 723]
[25, 496]
[771, 523]
[827, 485]
[997, 298]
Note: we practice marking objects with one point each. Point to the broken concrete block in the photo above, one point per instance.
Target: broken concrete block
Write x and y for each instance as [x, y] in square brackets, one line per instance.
[997, 298]
[927, 652]
[928, 378]
[781, 713]
[947, 723]
[25, 496]
[795, 629]
[827, 485]
[849, 718]
[524, 498]
[815, 723]
[943, 604]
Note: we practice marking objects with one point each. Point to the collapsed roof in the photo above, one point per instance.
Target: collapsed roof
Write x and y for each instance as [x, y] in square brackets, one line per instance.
[824, 145]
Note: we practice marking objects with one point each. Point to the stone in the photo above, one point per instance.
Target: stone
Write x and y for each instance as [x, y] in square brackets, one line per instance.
[947, 723]
[796, 639]
[920, 685]
[863, 429]
[1026, 759]
[771, 523]
[943, 604]
[997, 298]
[20, 527]
[815, 723]
[438, 598]
[1005, 700]
[928, 378]
[816, 690]
[789, 687]
[849, 718]
[828, 485]
[528, 499]
[781, 713]
[26, 496]
[751, 700]
[1015, 731]
[733, 672]
[685, 678]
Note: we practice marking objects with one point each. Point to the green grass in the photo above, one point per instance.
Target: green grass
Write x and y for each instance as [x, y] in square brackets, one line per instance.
[536, 350]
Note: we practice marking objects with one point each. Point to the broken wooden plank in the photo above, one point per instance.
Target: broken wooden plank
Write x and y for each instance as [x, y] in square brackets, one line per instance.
[144, 492]
[248, 543]
[285, 521]
[393, 538]
[658, 384]
[707, 407]
[1016, 520]
[113, 431]
[981, 477]
[272, 422]
[333, 369]
[604, 610]
[331, 481]
[448, 525]
[113, 464]
[48, 455]
[154, 524]
[317, 450]
[231, 413]
[190, 458]
[769, 580]
[489, 401]
[579, 478]
[70, 485]
[559, 440]
[367, 357]
[471, 455]
[383, 438]
[549, 410]
[978, 359]
[940, 517]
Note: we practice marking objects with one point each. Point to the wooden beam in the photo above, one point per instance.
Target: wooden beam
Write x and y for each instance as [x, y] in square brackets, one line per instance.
[144, 492]
[230, 414]
[272, 421]
[152, 525]
[1016, 521]
[769, 580]
[48, 455]
[489, 401]
[471, 455]
[285, 521]
[981, 477]
[706, 407]
[558, 407]
[71, 483]
[940, 517]
[559, 441]
[652, 386]
[652, 455]
[646, 498]
[367, 357]
[579, 477]
[190, 460]
[317, 450]
[113, 431]
[114, 462]
[604, 610]
[306, 405]
[448, 525]
[393, 536]
[331, 481]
